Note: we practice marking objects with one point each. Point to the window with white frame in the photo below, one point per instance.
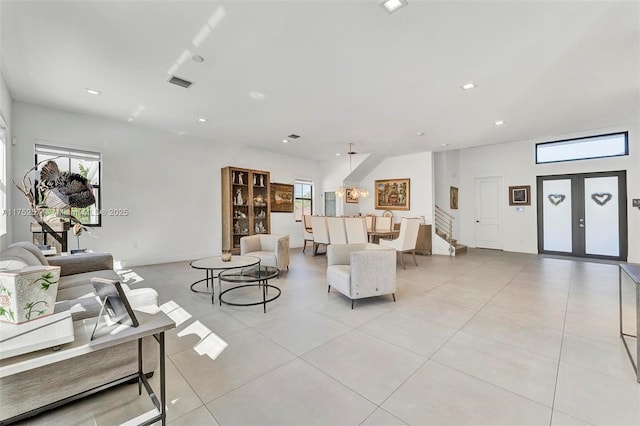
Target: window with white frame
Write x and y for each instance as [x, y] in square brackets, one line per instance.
[303, 199]
[84, 163]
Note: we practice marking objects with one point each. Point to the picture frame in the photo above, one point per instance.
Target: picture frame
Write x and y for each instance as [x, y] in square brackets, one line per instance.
[453, 198]
[281, 197]
[393, 194]
[520, 195]
[349, 198]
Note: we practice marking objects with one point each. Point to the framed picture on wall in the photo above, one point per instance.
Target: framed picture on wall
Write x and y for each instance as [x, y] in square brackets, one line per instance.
[281, 198]
[392, 194]
[453, 198]
[349, 196]
[520, 195]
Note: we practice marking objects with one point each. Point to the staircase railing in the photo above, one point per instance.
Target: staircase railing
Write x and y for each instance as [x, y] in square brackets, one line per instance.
[444, 223]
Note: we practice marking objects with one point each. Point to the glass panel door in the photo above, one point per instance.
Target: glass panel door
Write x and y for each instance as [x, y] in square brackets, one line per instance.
[583, 215]
[601, 216]
[557, 212]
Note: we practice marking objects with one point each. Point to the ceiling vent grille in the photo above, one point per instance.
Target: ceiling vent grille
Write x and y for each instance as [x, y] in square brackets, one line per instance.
[180, 82]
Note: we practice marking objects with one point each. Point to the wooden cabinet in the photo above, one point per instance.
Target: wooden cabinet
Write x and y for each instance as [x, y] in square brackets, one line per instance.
[246, 208]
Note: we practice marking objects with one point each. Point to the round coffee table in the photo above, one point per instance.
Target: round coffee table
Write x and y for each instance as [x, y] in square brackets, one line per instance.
[215, 263]
[251, 277]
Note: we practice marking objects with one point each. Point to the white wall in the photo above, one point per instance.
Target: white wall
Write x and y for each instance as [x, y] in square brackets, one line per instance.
[169, 183]
[515, 163]
[6, 113]
[418, 168]
[446, 166]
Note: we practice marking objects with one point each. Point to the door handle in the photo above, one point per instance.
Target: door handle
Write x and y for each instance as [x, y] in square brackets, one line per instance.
[581, 225]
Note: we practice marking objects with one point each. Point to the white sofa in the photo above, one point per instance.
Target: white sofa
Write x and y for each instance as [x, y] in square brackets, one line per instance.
[273, 250]
[361, 270]
[23, 392]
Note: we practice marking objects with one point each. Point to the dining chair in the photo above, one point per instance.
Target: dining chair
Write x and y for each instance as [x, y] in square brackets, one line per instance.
[406, 241]
[337, 233]
[320, 232]
[371, 222]
[307, 230]
[383, 224]
[356, 228]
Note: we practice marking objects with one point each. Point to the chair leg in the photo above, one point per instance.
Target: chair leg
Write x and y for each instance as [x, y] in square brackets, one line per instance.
[394, 296]
[414, 257]
[305, 246]
[352, 303]
[329, 289]
[402, 260]
[315, 248]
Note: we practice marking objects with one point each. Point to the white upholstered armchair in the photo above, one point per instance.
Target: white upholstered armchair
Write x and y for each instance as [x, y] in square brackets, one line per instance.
[361, 270]
[273, 250]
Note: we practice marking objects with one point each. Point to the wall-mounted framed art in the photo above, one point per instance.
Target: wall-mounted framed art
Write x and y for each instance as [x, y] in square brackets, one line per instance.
[393, 194]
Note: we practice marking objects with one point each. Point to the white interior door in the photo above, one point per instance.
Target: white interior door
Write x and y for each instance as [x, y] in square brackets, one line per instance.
[558, 215]
[601, 216]
[488, 212]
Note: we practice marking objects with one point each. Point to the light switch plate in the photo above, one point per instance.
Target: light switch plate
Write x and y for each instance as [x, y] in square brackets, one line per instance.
[635, 202]
[519, 209]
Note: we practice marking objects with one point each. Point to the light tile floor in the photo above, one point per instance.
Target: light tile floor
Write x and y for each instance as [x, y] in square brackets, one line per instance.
[480, 339]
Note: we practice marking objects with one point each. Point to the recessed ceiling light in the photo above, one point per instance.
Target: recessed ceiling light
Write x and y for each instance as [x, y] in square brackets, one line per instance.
[444, 144]
[338, 154]
[130, 119]
[499, 123]
[285, 141]
[197, 58]
[391, 6]
[93, 92]
[420, 133]
[468, 86]
[202, 120]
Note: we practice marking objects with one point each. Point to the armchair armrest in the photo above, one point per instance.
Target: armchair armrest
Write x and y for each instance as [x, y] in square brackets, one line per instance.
[81, 263]
[250, 244]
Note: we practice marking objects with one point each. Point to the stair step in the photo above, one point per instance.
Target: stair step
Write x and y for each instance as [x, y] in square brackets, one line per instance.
[460, 248]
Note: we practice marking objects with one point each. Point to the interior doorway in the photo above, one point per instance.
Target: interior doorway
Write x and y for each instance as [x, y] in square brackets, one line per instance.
[488, 212]
[583, 215]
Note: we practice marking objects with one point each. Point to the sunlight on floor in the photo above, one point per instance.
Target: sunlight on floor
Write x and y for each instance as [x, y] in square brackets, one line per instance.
[210, 344]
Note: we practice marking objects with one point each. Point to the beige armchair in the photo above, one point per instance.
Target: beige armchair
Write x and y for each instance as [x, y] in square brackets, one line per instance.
[307, 230]
[361, 270]
[273, 250]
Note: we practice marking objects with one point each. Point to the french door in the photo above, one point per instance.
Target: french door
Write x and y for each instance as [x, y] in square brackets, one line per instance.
[583, 215]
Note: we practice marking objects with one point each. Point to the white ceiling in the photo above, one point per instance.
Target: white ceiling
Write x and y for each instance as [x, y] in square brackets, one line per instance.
[333, 72]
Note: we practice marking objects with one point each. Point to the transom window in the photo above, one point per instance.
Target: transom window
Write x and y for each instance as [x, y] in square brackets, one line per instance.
[84, 163]
[611, 145]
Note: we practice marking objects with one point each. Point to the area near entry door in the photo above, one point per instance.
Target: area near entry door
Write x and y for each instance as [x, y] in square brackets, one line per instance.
[583, 215]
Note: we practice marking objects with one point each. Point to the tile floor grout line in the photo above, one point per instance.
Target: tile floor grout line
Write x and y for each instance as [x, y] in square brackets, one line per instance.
[564, 323]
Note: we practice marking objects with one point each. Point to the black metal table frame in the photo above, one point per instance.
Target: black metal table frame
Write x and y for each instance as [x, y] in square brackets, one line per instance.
[210, 277]
[622, 334]
[259, 282]
[142, 381]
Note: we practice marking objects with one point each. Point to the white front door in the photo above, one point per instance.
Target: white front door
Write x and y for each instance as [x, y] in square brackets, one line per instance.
[488, 212]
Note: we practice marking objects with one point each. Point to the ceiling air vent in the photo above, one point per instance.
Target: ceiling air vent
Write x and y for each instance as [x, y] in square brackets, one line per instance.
[293, 136]
[180, 82]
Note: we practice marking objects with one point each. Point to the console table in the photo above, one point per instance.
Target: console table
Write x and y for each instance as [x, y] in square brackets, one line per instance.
[633, 272]
[150, 325]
